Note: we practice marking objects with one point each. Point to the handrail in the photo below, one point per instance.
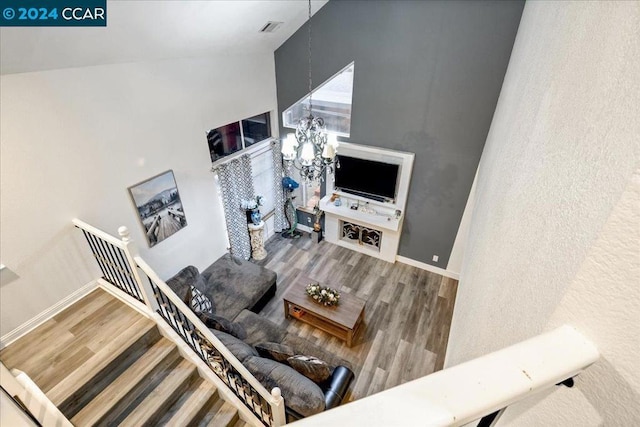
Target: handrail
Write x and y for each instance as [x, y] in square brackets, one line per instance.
[97, 232]
[268, 407]
[115, 259]
[122, 267]
[34, 402]
[467, 392]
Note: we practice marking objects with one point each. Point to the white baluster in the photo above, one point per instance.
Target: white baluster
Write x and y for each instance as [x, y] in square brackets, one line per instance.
[131, 251]
[279, 417]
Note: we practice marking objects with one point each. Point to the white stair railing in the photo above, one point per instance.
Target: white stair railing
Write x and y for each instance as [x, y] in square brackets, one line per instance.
[267, 406]
[472, 390]
[122, 267]
[35, 404]
[115, 259]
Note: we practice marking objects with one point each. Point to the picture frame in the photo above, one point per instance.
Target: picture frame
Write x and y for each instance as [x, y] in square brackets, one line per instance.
[157, 201]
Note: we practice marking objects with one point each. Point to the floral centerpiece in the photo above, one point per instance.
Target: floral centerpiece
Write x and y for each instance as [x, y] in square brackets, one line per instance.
[322, 294]
[251, 209]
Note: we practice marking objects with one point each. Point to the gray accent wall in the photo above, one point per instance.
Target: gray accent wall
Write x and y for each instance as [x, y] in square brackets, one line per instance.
[427, 79]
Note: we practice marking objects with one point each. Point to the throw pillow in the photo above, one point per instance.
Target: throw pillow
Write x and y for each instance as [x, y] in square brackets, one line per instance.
[275, 351]
[300, 393]
[219, 323]
[200, 303]
[311, 367]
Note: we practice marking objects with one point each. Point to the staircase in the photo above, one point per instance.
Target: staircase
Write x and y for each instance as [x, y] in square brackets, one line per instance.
[102, 363]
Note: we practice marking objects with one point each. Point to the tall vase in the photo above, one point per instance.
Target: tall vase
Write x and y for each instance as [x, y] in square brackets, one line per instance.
[256, 216]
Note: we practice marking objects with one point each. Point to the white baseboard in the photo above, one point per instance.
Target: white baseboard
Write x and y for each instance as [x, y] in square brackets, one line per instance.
[431, 268]
[125, 298]
[39, 319]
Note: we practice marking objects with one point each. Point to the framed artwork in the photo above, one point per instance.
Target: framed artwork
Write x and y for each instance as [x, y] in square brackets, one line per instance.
[159, 207]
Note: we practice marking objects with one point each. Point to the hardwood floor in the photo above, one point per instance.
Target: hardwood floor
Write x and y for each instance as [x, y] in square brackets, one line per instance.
[407, 316]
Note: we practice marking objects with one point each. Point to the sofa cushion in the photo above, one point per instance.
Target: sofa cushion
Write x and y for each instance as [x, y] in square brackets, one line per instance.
[300, 393]
[311, 367]
[235, 284]
[221, 324]
[183, 280]
[260, 329]
[239, 349]
[275, 351]
[304, 346]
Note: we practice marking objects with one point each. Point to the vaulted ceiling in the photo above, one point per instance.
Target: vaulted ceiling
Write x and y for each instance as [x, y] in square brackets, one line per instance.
[151, 30]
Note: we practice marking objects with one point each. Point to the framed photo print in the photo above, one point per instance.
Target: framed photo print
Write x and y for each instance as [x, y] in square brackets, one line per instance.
[159, 207]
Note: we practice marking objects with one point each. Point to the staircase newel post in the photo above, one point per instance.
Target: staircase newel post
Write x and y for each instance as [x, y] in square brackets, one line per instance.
[279, 417]
[131, 251]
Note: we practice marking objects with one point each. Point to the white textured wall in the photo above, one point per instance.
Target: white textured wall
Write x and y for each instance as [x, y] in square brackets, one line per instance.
[457, 252]
[555, 233]
[74, 140]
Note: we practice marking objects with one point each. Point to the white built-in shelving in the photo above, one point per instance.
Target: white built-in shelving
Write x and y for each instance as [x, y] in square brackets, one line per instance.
[368, 217]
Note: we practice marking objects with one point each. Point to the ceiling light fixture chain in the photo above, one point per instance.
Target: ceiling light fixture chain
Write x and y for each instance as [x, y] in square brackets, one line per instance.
[310, 74]
[310, 150]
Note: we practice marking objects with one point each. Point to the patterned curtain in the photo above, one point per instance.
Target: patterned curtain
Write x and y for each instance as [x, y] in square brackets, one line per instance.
[280, 220]
[236, 184]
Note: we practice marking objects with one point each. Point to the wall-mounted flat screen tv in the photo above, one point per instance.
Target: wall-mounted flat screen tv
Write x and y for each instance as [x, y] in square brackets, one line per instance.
[367, 178]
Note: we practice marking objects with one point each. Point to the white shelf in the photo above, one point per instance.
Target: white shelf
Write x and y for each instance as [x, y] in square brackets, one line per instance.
[383, 218]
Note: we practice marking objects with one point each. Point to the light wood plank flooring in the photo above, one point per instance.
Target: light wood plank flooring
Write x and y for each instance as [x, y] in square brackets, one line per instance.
[58, 347]
[102, 363]
[407, 316]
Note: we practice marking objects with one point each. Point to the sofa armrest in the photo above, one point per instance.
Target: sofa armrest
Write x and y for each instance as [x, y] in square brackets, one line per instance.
[333, 388]
[336, 386]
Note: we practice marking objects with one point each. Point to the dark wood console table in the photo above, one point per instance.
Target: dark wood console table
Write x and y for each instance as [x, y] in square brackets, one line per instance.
[341, 321]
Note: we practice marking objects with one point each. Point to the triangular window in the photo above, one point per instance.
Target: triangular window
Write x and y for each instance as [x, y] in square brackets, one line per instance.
[331, 101]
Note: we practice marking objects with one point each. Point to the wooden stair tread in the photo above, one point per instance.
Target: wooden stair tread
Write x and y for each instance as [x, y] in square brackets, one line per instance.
[101, 360]
[89, 336]
[162, 396]
[198, 401]
[226, 415]
[102, 404]
[103, 363]
[111, 321]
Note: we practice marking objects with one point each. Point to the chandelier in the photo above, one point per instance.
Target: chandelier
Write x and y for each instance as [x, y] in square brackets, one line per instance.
[310, 150]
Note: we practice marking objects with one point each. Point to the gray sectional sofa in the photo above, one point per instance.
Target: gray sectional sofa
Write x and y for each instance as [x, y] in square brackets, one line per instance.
[227, 296]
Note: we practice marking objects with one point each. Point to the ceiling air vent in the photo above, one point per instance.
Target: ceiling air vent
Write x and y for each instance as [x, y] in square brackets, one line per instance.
[270, 27]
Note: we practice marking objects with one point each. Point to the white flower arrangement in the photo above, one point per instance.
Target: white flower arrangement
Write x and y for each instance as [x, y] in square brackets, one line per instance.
[251, 204]
[323, 295]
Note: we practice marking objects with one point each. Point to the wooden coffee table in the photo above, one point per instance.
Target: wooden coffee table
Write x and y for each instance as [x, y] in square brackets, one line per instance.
[341, 321]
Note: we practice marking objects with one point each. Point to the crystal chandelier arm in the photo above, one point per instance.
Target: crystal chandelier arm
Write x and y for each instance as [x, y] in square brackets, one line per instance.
[311, 153]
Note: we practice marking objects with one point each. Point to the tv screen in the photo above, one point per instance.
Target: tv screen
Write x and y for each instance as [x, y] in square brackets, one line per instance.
[366, 177]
